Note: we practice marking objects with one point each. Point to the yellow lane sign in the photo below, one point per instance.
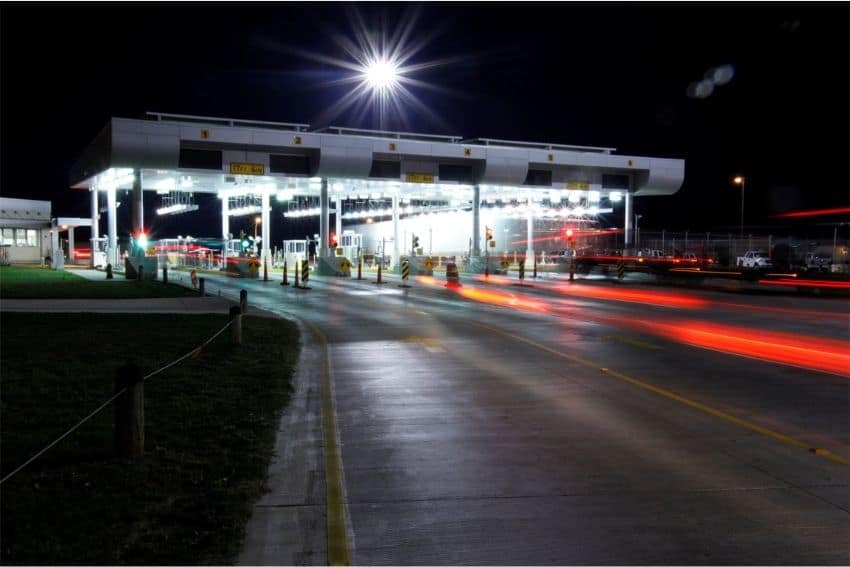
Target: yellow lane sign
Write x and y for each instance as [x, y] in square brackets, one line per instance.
[413, 177]
[239, 168]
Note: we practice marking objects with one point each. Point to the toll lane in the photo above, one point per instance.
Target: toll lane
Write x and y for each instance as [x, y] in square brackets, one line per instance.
[476, 431]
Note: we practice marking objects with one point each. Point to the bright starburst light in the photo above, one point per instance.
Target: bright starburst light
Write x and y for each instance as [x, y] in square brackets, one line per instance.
[381, 67]
[381, 75]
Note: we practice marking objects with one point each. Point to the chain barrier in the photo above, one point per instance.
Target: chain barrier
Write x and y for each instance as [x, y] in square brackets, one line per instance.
[194, 352]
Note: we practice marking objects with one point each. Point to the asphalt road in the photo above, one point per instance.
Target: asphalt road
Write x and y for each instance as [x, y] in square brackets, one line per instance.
[587, 423]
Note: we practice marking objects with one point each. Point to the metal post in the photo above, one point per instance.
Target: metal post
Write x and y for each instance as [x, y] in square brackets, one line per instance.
[338, 221]
[324, 221]
[138, 209]
[55, 249]
[129, 414]
[140, 272]
[529, 249]
[243, 301]
[395, 231]
[627, 225]
[71, 255]
[266, 234]
[112, 222]
[202, 286]
[165, 274]
[225, 226]
[95, 228]
[476, 220]
[834, 245]
[285, 280]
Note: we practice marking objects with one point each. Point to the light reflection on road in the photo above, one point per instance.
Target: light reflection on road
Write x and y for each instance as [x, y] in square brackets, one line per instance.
[794, 349]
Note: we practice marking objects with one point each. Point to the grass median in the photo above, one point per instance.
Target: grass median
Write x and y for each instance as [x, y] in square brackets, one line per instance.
[210, 426]
[35, 282]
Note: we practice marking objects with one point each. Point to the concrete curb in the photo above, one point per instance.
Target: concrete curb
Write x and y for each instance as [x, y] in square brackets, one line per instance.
[288, 523]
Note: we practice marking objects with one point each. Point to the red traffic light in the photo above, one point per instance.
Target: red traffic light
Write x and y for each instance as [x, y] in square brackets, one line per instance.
[569, 233]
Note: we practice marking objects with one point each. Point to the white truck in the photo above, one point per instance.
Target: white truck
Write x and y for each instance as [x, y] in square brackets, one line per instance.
[754, 259]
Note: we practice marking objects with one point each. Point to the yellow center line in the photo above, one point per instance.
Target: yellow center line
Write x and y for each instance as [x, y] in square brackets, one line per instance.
[819, 451]
[635, 342]
[338, 552]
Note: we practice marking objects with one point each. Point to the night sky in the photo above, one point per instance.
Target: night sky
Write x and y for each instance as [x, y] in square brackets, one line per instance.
[604, 74]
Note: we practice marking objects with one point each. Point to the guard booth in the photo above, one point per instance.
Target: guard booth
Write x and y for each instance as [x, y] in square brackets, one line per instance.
[350, 245]
[99, 247]
[295, 250]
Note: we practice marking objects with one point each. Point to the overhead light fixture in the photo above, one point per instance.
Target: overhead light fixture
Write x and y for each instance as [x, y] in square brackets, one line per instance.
[250, 210]
[176, 209]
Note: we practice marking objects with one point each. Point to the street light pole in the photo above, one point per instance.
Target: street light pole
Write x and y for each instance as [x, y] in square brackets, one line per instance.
[256, 224]
[742, 181]
[637, 231]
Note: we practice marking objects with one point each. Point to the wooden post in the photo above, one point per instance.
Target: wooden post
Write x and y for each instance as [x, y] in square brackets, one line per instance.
[165, 274]
[202, 286]
[243, 301]
[130, 412]
[236, 326]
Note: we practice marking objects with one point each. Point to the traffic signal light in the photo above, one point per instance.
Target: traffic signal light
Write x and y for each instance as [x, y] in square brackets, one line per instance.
[569, 234]
[415, 241]
[488, 232]
[333, 239]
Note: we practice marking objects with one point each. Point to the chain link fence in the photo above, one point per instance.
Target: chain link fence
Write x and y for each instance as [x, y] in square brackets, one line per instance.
[786, 252]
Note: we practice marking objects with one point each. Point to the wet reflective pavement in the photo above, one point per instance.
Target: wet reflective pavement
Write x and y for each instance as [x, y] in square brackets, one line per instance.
[539, 425]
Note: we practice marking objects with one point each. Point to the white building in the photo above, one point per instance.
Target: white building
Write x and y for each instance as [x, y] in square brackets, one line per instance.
[24, 230]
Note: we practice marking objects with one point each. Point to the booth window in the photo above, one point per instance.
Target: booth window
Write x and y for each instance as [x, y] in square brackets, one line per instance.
[21, 237]
[538, 177]
[199, 159]
[32, 237]
[613, 181]
[294, 164]
[9, 236]
[386, 169]
[459, 173]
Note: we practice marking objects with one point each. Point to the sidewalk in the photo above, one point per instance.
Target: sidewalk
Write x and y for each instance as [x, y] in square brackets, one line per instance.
[218, 305]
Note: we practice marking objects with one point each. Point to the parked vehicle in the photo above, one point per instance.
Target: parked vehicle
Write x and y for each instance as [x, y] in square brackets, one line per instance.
[754, 260]
[815, 261]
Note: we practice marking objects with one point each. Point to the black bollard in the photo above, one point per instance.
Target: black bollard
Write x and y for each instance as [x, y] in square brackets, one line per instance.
[109, 271]
[202, 286]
